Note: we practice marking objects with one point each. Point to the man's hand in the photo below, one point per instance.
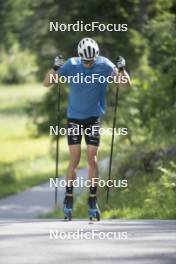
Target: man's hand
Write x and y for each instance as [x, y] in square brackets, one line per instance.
[121, 63]
[58, 62]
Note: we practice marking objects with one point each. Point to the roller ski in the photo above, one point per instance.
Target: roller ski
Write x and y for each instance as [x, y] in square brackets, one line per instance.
[94, 212]
[68, 206]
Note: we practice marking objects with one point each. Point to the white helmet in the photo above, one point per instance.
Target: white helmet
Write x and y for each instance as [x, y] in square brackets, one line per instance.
[88, 49]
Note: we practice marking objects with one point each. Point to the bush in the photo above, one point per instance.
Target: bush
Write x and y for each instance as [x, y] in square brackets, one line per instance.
[17, 66]
[151, 194]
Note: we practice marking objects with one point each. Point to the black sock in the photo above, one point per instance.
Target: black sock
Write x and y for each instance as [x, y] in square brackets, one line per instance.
[93, 190]
[69, 189]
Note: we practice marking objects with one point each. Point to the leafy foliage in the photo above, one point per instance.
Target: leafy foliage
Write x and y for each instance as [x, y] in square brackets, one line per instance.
[18, 66]
[148, 110]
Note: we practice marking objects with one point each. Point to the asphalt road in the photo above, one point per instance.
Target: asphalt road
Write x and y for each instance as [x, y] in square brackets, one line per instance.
[38, 200]
[134, 242]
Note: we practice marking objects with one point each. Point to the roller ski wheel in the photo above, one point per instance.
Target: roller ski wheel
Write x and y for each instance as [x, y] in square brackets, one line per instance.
[68, 215]
[94, 215]
[68, 205]
[94, 212]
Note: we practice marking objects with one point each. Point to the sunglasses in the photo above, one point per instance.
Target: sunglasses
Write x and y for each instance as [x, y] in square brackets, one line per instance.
[88, 61]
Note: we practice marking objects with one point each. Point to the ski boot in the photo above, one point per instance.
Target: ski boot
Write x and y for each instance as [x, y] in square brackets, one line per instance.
[68, 205]
[94, 212]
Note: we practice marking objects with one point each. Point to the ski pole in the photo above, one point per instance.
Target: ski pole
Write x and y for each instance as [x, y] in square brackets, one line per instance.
[58, 92]
[57, 146]
[112, 141]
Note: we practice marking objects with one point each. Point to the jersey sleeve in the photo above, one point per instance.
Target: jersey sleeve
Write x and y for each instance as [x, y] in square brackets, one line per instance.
[64, 70]
[112, 69]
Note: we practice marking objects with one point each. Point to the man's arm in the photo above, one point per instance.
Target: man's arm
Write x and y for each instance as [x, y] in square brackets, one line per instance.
[47, 82]
[122, 75]
[124, 78]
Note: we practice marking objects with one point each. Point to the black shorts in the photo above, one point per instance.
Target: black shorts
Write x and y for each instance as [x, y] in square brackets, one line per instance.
[89, 127]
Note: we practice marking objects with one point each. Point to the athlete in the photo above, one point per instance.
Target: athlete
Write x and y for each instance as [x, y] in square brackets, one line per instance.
[86, 104]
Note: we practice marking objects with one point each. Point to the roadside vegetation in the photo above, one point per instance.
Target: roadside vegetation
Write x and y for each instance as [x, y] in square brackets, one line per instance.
[146, 157]
[27, 159]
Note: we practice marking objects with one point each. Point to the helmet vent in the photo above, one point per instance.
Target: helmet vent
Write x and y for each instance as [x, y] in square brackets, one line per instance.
[89, 51]
[93, 52]
[85, 53]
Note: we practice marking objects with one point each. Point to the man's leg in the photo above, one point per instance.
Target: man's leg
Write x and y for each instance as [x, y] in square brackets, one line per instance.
[74, 142]
[75, 153]
[93, 176]
[92, 162]
[93, 140]
[93, 169]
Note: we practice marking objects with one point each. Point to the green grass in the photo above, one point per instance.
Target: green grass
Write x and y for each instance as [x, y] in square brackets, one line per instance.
[26, 160]
[149, 195]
